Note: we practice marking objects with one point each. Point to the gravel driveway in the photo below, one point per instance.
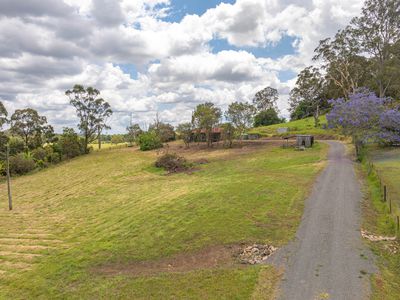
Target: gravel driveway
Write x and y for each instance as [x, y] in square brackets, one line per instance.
[328, 260]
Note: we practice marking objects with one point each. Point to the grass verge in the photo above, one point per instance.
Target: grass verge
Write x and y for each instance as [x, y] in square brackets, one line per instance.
[378, 220]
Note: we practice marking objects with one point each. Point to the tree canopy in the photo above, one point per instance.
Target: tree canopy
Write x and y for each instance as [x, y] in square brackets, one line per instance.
[30, 126]
[241, 115]
[266, 98]
[206, 116]
[92, 112]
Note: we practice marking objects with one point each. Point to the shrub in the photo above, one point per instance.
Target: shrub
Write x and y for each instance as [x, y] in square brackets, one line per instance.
[17, 145]
[21, 164]
[149, 141]
[2, 167]
[69, 144]
[54, 158]
[39, 154]
[172, 163]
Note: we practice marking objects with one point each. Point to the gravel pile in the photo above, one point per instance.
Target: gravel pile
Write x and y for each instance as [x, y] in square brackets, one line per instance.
[256, 254]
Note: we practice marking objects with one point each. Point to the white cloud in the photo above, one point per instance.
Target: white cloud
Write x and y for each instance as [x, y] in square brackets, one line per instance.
[47, 46]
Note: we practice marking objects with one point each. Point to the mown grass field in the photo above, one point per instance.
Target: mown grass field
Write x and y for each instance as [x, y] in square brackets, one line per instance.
[107, 146]
[303, 126]
[83, 229]
[377, 218]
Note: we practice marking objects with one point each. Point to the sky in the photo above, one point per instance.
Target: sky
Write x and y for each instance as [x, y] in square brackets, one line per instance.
[165, 56]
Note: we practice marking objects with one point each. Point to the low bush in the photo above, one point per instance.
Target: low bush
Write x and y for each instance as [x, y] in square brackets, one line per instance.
[149, 141]
[39, 154]
[21, 164]
[173, 163]
[17, 145]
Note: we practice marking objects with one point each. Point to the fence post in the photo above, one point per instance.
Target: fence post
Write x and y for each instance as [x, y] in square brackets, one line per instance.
[384, 193]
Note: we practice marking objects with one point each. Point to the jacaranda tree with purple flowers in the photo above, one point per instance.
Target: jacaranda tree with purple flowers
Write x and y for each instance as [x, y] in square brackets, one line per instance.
[390, 124]
[365, 117]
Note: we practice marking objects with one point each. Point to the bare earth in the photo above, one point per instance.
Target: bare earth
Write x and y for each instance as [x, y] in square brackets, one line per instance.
[328, 260]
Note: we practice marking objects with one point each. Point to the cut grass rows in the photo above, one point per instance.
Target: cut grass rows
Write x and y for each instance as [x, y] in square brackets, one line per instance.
[114, 207]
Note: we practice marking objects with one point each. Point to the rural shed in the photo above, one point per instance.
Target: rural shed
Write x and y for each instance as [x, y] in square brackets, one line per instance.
[305, 140]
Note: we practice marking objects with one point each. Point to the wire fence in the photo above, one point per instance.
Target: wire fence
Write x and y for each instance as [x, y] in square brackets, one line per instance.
[386, 195]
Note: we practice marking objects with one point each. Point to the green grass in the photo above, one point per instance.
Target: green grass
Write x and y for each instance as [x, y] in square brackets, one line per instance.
[377, 218]
[113, 207]
[107, 146]
[303, 126]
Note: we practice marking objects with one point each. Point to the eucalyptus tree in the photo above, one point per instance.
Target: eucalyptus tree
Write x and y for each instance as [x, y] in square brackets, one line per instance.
[30, 126]
[241, 115]
[205, 117]
[92, 111]
[309, 92]
[266, 98]
[341, 61]
[185, 131]
[134, 131]
[3, 115]
[377, 30]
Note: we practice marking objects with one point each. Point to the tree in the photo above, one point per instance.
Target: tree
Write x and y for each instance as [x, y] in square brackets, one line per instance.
[206, 116]
[134, 131]
[390, 124]
[228, 134]
[266, 98]
[164, 130]
[241, 115]
[309, 92]
[359, 117]
[92, 112]
[341, 61]
[3, 137]
[117, 139]
[267, 117]
[27, 124]
[149, 141]
[3, 115]
[69, 143]
[185, 132]
[377, 30]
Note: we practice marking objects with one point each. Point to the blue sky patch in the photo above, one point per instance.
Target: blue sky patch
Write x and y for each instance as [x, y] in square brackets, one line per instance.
[181, 8]
[282, 48]
[286, 75]
[128, 69]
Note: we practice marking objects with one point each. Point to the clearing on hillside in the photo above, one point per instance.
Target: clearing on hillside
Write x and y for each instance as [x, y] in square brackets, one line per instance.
[81, 229]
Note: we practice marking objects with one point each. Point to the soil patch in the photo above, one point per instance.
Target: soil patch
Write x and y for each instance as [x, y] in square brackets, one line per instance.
[208, 258]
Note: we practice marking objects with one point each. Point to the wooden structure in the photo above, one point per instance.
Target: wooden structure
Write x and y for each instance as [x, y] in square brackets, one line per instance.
[304, 140]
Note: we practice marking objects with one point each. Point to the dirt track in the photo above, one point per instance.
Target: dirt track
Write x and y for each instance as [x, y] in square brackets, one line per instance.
[328, 260]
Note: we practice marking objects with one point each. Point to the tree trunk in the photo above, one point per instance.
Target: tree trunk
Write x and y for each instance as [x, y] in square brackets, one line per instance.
[86, 145]
[316, 117]
[99, 138]
[10, 207]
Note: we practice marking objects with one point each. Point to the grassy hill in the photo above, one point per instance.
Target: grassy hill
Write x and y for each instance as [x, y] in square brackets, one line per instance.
[303, 126]
[110, 225]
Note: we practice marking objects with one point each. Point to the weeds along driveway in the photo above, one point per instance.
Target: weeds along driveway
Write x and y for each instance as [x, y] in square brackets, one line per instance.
[328, 260]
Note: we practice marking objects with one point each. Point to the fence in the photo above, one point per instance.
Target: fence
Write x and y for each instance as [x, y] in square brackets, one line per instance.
[385, 195]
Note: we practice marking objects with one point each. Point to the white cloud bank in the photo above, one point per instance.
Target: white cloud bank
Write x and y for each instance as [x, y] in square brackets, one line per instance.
[46, 46]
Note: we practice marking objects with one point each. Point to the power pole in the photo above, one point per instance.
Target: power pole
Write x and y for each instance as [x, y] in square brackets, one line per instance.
[8, 177]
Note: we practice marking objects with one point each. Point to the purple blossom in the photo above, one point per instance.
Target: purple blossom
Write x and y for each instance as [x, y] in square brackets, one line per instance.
[366, 117]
